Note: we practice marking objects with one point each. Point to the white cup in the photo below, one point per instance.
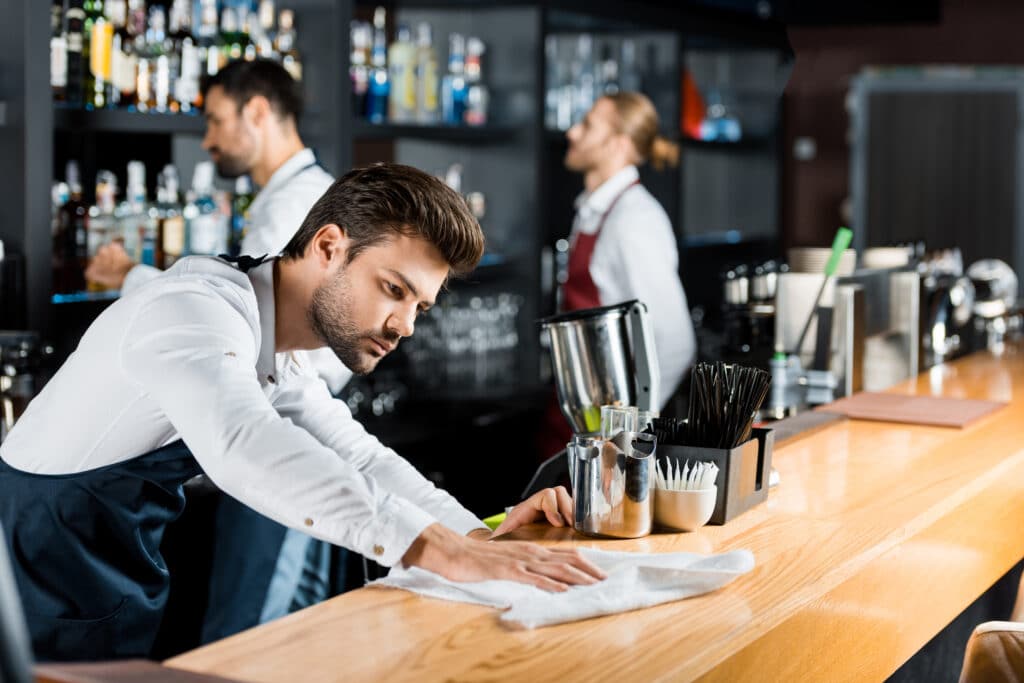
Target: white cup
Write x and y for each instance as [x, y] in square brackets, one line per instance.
[684, 510]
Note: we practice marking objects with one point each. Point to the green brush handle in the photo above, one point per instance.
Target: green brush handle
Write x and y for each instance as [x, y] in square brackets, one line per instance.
[840, 244]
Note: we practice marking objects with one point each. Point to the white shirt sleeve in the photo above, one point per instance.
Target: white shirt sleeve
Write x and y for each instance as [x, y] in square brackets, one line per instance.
[304, 399]
[193, 353]
[139, 275]
[636, 258]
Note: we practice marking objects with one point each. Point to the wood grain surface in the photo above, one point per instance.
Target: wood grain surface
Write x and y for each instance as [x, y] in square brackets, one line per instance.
[878, 535]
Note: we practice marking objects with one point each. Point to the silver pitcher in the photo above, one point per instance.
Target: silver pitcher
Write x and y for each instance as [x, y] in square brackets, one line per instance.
[612, 484]
[603, 356]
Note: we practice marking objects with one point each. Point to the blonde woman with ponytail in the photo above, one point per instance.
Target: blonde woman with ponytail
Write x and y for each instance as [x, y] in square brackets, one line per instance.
[622, 245]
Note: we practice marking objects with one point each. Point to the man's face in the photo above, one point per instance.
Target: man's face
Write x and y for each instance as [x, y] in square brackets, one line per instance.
[230, 139]
[589, 139]
[364, 308]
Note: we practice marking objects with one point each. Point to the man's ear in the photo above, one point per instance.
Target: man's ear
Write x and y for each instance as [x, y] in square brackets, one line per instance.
[329, 244]
[256, 110]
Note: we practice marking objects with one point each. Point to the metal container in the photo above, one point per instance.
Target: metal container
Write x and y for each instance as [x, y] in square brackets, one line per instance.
[602, 356]
[613, 485]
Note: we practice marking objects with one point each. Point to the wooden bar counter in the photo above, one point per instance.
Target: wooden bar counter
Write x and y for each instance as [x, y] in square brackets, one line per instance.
[876, 538]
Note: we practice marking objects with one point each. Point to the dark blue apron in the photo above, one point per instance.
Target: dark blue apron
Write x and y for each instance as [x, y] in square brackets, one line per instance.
[86, 548]
[86, 552]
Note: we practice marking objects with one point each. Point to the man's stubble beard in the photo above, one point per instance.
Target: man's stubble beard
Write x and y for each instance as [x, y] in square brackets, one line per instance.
[330, 315]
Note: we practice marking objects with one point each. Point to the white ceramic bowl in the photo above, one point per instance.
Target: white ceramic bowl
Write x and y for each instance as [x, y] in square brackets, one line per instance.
[684, 510]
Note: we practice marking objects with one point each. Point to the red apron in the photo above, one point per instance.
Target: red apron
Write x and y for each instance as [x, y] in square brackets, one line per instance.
[578, 292]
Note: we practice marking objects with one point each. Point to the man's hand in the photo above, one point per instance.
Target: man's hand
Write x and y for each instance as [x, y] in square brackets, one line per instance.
[460, 558]
[110, 266]
[553, 504]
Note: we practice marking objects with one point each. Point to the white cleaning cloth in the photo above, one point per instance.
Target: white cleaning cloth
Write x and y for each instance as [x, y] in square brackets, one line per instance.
[635, 580]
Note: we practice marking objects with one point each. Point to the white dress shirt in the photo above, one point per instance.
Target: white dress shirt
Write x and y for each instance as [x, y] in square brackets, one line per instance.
[636, 257]
[190, 355]
[275, 215]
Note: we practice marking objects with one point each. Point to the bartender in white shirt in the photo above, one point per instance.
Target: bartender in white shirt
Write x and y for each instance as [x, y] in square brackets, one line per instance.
[205, 369]
[622, 246]
[252, 111]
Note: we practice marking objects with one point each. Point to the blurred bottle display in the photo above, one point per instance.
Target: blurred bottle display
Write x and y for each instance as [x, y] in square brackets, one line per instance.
[155, 233]
[402, 82]
[127, 54]
[579, 68]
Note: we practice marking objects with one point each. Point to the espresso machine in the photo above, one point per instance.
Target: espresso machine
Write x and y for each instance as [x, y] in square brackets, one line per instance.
[606, 357]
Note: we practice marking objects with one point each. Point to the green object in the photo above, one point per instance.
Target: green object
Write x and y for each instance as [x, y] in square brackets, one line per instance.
[592, 418]
[494, 521]
[840, 244]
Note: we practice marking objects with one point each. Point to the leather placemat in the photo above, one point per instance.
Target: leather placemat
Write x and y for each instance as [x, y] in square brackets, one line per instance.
[921, 410]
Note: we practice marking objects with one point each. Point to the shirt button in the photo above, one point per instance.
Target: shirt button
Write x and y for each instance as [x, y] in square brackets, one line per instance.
[270, 378]
[309, 522]
[231, 354]
[378, 550]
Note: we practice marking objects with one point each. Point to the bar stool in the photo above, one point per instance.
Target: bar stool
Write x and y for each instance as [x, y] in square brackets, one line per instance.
[995, 653]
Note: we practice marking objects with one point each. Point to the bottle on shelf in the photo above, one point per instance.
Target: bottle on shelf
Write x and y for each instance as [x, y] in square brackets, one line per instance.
[58, 52]
[136, 225]
[583, 77]
[74, 28]
[207, 34]
[102, 221]
[71, 236]
[427, 110]
[477, 95]
[379, 87]
[231, 37]
[402, 75]
[206, 227]
[123, 61]
[361, 38]
[240, 213]
[170, 239]
[454, 87]
[265, 38]
[286, 44]
[157, 46]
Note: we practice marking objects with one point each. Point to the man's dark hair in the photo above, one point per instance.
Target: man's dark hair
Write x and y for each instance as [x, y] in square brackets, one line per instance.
[379, 202]
[242, 80]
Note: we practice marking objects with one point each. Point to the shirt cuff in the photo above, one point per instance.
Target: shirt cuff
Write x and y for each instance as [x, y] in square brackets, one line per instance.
[388, 537]
[463, 522]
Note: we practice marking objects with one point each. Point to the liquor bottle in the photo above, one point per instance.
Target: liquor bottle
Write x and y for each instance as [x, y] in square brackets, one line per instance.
[454, 87]
[170, 240]
[70, 240]
[135, 224]
[361, 38]
[629, 74]
[136, 24]
[58, 52]
[206, 227]
[583, 77]
[186, 89]
[240, 213]
[377, 96]
[230, 36]
[265, 39]
[157, 47]
[402, 75]
[477, 95]
[426, 76]
[100, 46]
[102, 222]
[206, 34]
[122, 55]
[74, 26]
[287, 41]
[608, 71]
